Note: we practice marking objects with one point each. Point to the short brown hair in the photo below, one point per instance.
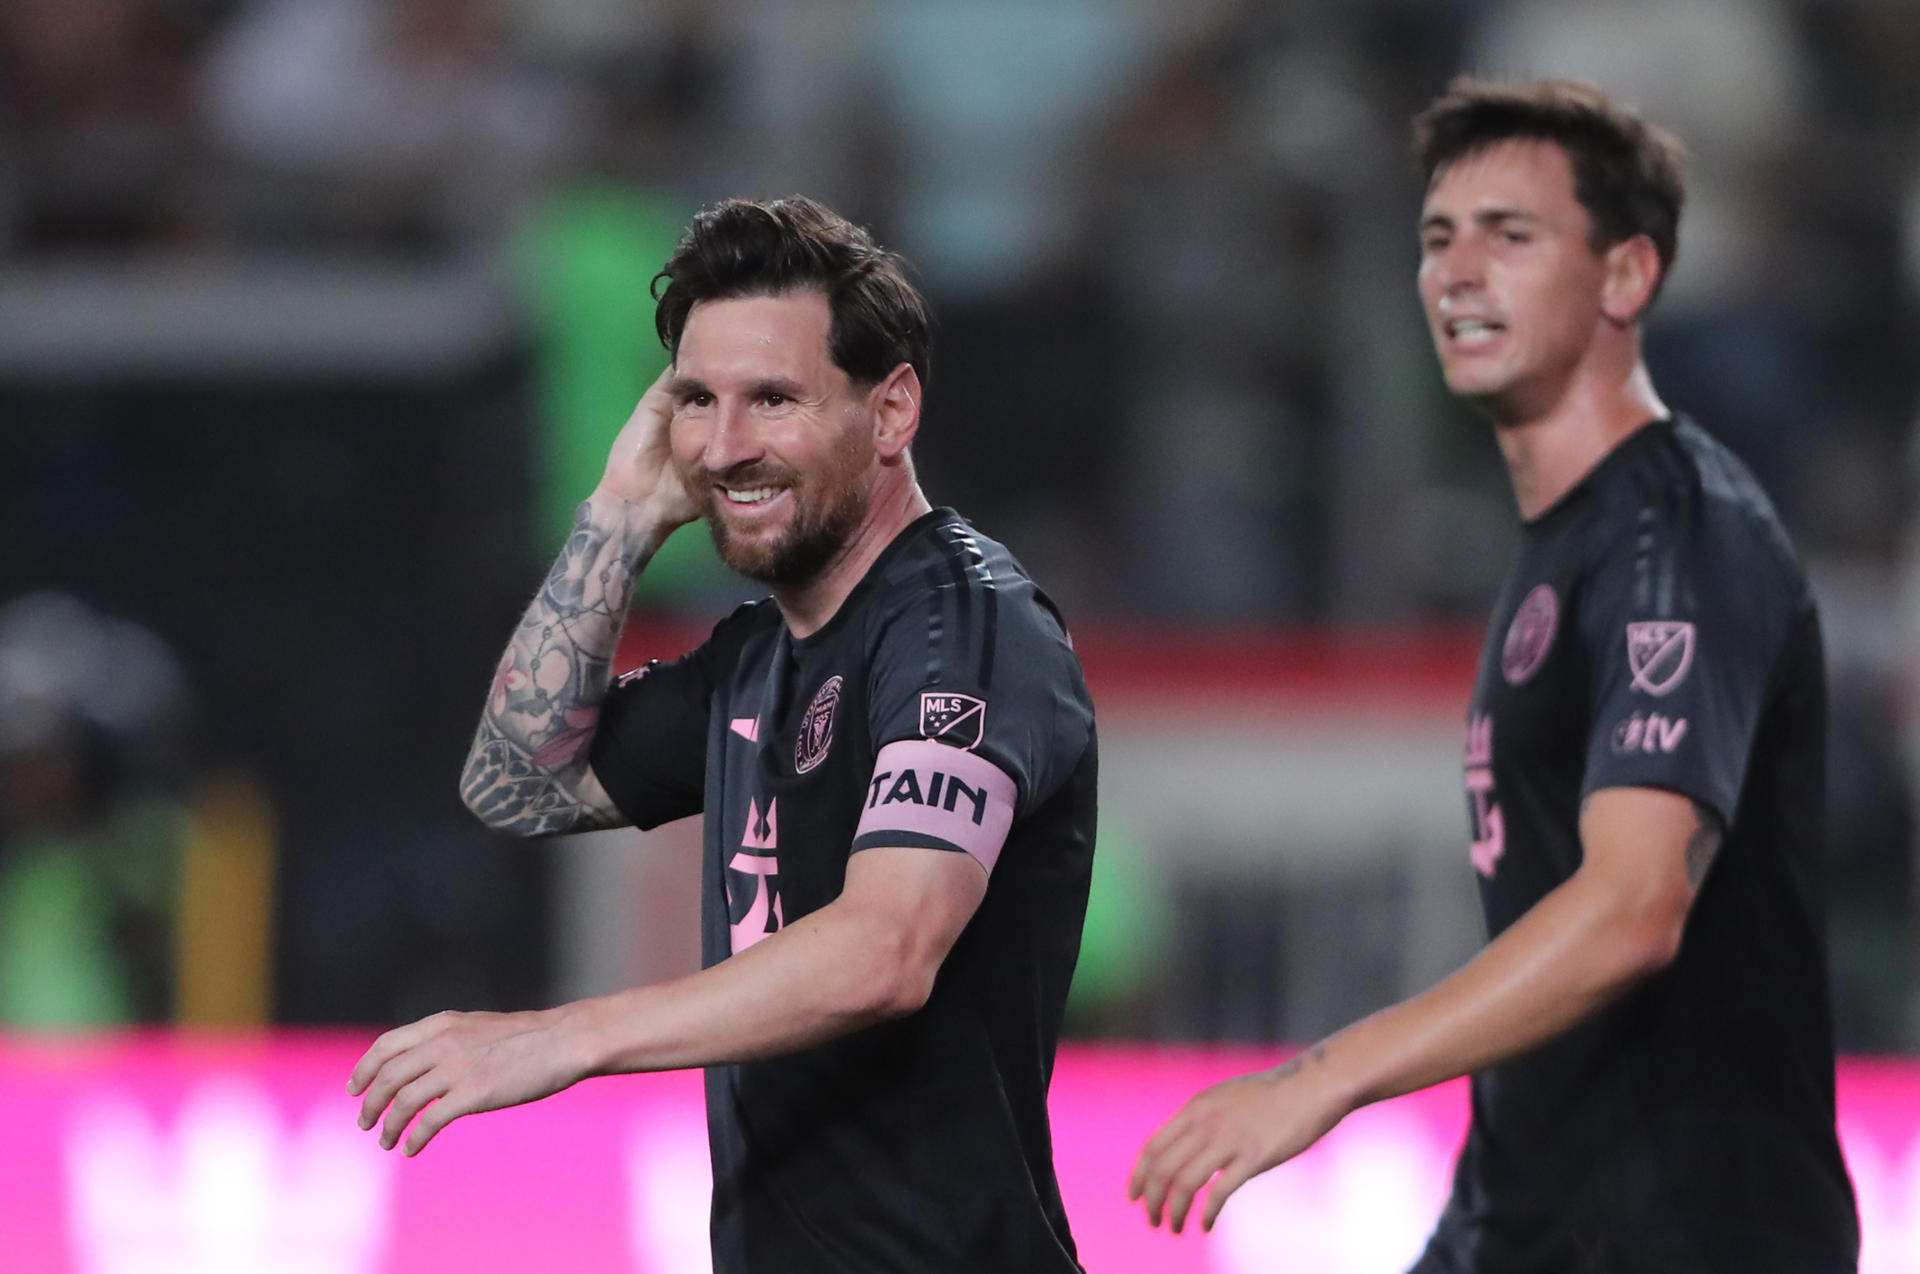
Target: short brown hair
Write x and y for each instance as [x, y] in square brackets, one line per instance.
[1627, 172]
[742, 248]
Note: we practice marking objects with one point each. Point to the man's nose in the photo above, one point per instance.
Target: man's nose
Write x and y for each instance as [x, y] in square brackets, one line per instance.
[1462, 267]
[732, 442]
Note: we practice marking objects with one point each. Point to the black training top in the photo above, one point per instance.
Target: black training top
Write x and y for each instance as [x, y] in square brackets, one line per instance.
[942, 706]
[1657, 631]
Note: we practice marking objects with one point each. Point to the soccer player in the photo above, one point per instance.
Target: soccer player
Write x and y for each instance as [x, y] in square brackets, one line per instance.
[1648, 1029]
[895, 757]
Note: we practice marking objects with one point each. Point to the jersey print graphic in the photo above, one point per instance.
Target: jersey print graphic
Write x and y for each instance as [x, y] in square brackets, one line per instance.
[816, 728]
[1530, 636]
[1489, 828]
[953, 719]
[1650, 733]
[1659, 654]
[753, 906]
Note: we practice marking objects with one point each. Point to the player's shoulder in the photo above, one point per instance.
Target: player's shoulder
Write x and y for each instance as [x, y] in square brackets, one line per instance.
[971, 590]
[721, 648]
[949, 555]
[1677, 493]
[741, 625]
[941, 546]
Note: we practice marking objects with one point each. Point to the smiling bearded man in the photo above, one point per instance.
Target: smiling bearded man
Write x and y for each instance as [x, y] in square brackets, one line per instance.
[895, 758]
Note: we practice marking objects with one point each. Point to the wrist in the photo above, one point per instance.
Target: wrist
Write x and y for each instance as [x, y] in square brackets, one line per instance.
[578, 1038]
[1335, 1084]
[640, 531]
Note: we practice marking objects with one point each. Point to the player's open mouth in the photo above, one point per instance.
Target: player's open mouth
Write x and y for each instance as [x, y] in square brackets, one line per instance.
[1473, 333]
[751, 502]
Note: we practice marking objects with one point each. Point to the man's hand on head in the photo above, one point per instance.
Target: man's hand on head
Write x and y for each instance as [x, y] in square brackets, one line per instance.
[640, 472]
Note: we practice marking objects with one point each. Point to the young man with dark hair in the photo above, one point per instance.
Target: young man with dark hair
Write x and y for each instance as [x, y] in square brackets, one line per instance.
[895, 757]
[1648, 1029]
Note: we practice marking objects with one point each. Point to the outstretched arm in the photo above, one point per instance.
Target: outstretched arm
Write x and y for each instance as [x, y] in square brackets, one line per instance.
[527, 771]
[1617, 920]
[868, 956]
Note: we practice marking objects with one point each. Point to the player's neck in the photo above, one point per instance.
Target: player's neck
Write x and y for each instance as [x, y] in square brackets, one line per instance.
[1549, 451]
[897, 501]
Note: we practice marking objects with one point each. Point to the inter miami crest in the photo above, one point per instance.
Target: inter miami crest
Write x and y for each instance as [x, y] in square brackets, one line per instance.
[816, 727]
[956, 720]
[1530, 636]
[1659, 653]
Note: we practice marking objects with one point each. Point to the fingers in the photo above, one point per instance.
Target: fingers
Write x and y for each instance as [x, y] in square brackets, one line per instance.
[1173, 1167]
[1235, 1174]
[390, 1045]
[1151, 1153]
[408, 1102]
[436, 1116]
[396, 1074]
[1207, 1158]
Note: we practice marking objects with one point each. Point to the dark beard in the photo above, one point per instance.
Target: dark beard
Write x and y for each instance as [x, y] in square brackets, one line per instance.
[799, 557]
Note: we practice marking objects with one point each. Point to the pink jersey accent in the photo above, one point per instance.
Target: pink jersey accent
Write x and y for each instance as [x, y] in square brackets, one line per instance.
[935, 790]
[747, 728]
[1489, 827]
[753, 926]
[1530, 636]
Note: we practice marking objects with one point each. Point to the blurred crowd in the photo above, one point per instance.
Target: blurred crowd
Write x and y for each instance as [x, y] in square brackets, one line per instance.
[395, 244]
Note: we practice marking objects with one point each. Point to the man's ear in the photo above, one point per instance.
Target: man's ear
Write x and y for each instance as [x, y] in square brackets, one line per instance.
[1633, 272]
[896, 403]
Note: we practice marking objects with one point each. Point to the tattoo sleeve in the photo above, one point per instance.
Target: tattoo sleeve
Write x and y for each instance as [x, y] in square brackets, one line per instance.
[1703, 844]
[527, 771]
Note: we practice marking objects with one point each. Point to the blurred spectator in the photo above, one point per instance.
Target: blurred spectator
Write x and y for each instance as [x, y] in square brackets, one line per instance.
[97, 150]
[989, 103]
[92, 722]
[1213, 223]
[403, 125]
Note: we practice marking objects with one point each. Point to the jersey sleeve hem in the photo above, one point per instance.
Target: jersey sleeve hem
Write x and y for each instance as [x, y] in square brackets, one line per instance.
[1694, 791]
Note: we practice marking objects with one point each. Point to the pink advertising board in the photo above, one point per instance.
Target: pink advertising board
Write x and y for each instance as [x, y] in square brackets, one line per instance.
[173, 1155]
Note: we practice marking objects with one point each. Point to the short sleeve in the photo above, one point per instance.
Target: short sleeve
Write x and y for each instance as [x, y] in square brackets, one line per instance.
[1683, 625]
[978, 713]
[649, 747]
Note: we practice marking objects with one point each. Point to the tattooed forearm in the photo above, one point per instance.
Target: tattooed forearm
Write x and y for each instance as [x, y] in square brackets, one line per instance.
[1703, 844]
[526, 769]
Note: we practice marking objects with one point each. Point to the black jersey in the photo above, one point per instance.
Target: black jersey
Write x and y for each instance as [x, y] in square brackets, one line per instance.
[1657, 631]
[942, 706]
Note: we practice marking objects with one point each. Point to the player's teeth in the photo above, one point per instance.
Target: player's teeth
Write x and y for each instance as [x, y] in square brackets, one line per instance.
[758, 495]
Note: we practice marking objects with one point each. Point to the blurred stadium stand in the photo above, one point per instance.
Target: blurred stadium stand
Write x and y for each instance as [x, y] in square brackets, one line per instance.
[314, 313]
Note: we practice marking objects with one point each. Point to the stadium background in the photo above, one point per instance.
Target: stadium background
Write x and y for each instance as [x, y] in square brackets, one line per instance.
[315, 316]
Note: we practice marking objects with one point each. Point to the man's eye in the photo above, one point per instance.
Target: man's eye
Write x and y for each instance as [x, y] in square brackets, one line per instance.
[776, 400]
